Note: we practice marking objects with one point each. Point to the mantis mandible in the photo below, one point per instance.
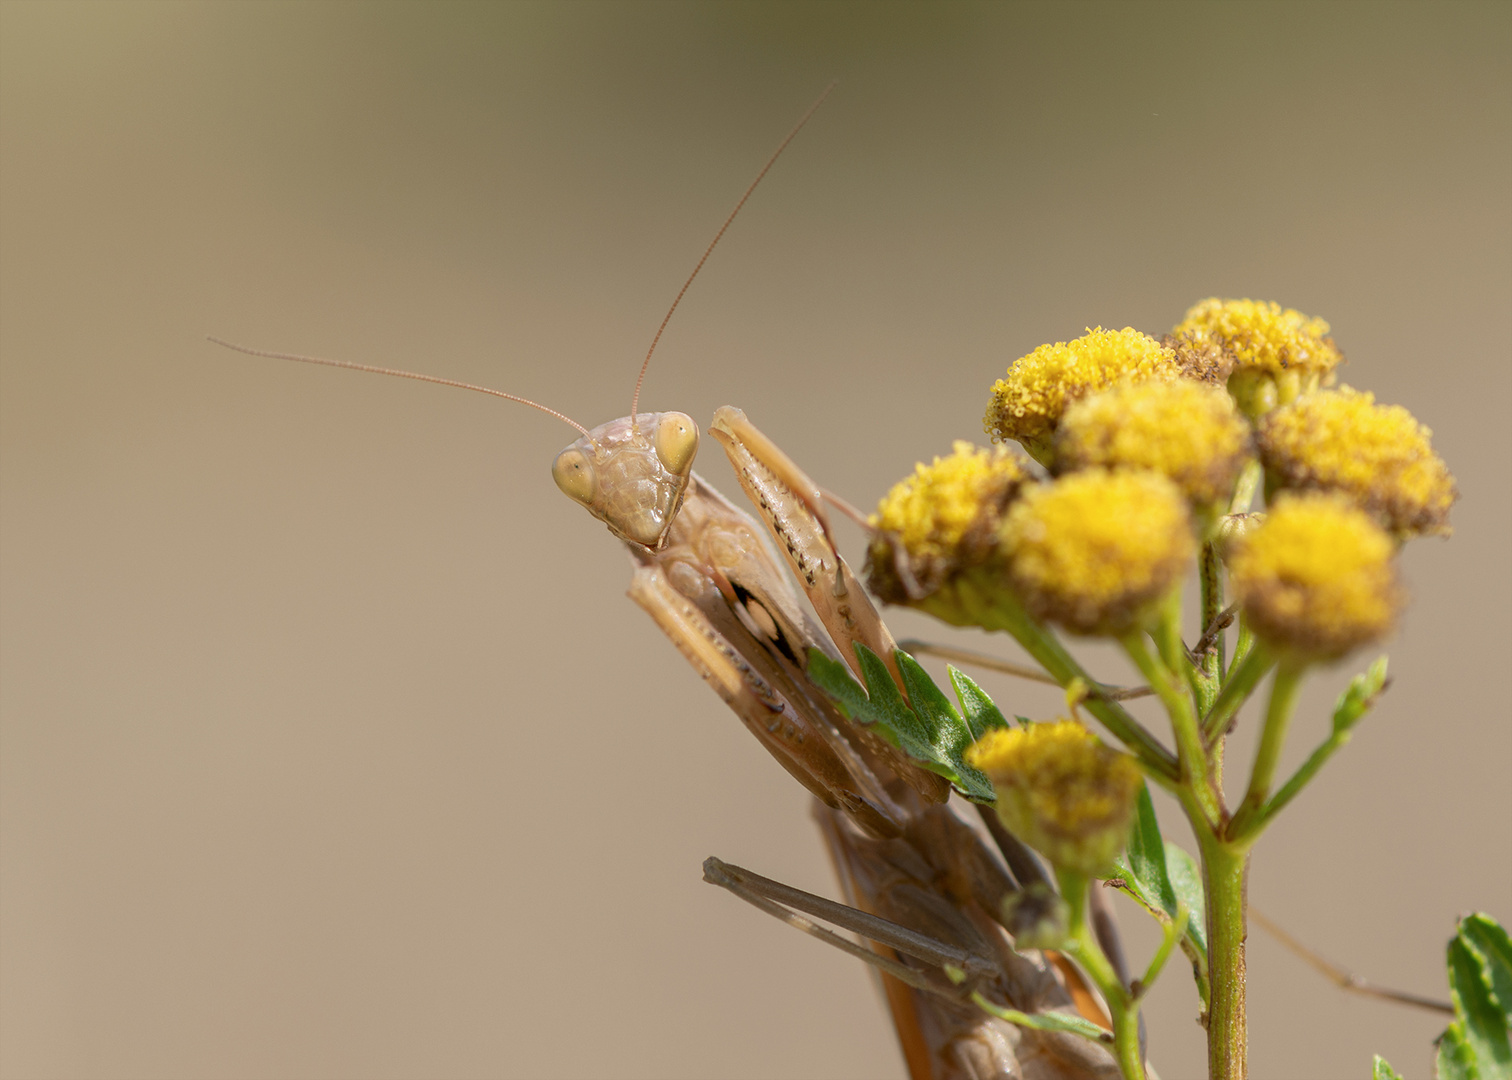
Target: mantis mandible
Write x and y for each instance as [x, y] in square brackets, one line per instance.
[924, 888]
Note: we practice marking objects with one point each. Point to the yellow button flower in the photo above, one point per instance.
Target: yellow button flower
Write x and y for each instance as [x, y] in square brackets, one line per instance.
[1277, 353]
[1316, 578]
[941, 520]
[1061, 791]
[1095, 550]
[1028, 404]
[1189, 432]
[1378, 455]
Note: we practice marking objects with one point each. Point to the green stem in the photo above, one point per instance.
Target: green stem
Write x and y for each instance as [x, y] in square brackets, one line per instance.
[1225, 870]
[1195, 775]
[1081, 944]
[1289, 790]
[1241, 682]
[1278, 714]
[1008, 616]
[1244, 490]
[1174, 930]
[1212, 607]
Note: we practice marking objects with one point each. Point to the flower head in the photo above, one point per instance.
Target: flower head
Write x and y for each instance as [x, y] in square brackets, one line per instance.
[1378, 455]
[1277, 353]
[1028, 404]
[1095, 550]
[1187, 431]
[1061, 791]
[941, 520]
[1316, 578]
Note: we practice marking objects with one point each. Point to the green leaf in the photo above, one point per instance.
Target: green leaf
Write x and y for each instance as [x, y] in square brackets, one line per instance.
[980, 713]
[1454, 1060]
[1359, 696]
[1186, 879]
[1480, 1022]
[931, 731]
[1163, 876]
[1485, 937]
[1381, 1070]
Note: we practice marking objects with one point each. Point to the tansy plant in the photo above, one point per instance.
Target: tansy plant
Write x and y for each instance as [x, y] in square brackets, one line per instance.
[1151, 454]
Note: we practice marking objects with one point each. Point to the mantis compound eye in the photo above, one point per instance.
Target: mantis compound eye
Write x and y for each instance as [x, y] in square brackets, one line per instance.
[574, 474]
[676, 442]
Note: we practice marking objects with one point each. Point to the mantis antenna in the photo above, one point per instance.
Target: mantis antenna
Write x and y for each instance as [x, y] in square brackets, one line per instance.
[804, 119]
[400, 374]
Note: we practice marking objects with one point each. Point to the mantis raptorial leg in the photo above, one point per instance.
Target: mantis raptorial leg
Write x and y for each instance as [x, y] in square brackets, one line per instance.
[704, 574]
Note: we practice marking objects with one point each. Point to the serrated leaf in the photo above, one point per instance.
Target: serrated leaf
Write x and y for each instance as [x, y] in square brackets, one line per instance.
[1485, 937]
[980, 713]
[1478, 1016]
[930, 731]
[1380, 1069]
[1359, 696]
[1454, 1060]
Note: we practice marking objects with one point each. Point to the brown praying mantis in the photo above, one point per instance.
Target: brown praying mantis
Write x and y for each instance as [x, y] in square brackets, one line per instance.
[923, 889]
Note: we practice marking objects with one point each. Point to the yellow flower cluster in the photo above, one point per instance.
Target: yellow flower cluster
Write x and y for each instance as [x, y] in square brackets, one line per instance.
[1028, 404]
[1061, 791]
[942, 519]
[1094, 550]
[1317, 578]
[1189, 432]
[1378, 455]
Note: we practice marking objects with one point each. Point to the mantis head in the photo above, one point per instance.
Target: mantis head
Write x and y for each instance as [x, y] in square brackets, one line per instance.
[631, 473]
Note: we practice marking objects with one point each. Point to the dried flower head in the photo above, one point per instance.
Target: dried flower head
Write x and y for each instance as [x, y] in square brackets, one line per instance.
[1061, 791]
[1378, 455]
[1028, 404]
[1317, 578]
[1095, 550]
[941, 520]
[1277, 353]
[1189, 432]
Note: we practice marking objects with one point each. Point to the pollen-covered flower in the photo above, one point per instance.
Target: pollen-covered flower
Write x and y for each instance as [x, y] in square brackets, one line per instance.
[1378, 455]
[1278, 353]
[1061, 791]
[1316, 579]
[1095, 550]
[941, 520]
[1028, 404]
[1189, 432]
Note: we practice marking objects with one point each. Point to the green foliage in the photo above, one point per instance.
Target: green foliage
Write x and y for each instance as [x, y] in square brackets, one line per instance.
[1478, 1044]
[1380, 1070]
[1358, 697]
[931, 730]
[1161, 876]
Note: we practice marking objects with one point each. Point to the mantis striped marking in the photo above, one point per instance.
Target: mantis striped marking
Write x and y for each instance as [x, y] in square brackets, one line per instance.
[924, 889]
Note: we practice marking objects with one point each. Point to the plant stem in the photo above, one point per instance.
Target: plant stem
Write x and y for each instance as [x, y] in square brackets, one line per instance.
[1008, 616]
[1278, 714]
[1195, 775]
[1225, 868]
[1212, 606]
[1257, 822]
[1241, 682]
[1082, 944]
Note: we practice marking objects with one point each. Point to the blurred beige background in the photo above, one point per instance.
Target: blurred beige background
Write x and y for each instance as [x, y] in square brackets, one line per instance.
[331, 746]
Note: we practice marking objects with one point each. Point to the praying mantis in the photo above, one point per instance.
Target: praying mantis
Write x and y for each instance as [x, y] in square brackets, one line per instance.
[923, 889]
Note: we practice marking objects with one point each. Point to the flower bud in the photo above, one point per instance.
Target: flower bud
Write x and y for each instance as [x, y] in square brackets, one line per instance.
[1188, 432]
[1061, 791]
[1317, 578]
[1028, 404]
[1377, 455]
[1097, 551]
[1278, 354]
